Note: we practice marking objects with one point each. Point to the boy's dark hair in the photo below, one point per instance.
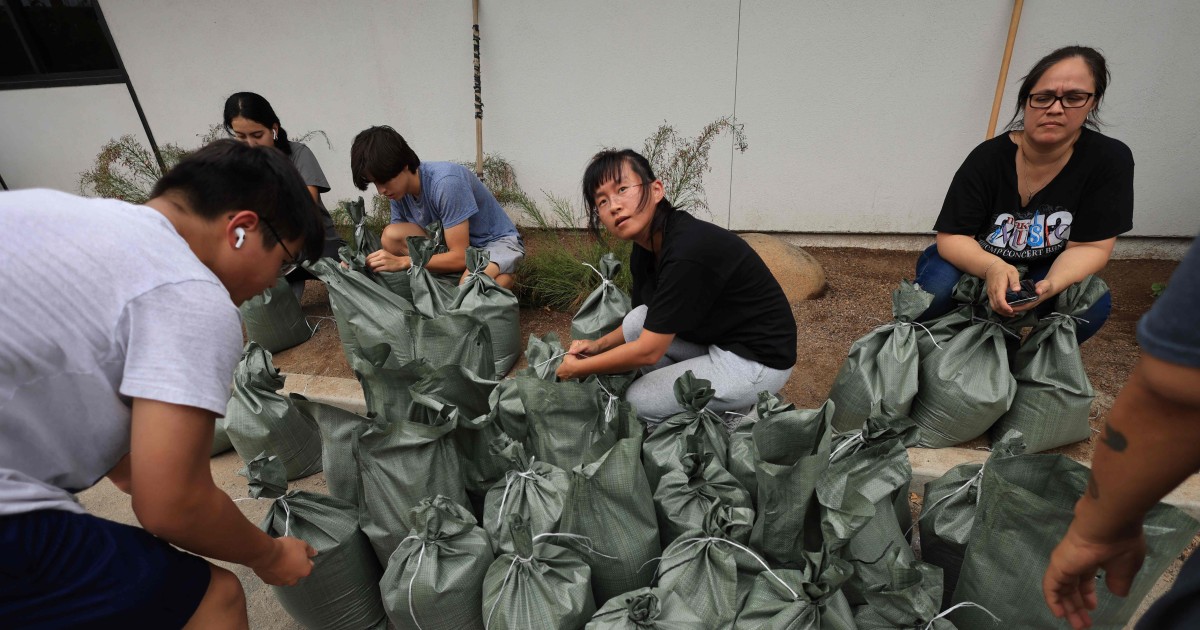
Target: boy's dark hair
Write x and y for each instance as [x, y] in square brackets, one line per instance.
[227, 175]
[1095, 62]
[253, 107]
[605, 167]
[379, 154]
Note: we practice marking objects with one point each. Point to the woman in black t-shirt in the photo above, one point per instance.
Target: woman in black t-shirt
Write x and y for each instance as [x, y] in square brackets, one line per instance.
[1051, 194]
[703, 300]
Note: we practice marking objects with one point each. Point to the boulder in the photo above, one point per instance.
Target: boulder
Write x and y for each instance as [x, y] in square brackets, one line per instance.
[800, 275]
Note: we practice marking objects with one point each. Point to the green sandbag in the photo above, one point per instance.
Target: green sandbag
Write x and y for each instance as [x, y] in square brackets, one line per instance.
[965, 380]
[742, 457]
[274, 318]
[645, 609]
[365, 241]
[610, 503]
[794, 448]
[539, 585]
[259, 419]
[221, 441]
[711, 568]
[434, 579]
[1026, 504]
[881, 367]
[400, 463]
[532, 489]
[342, 590]
[911, 598]
[808, 597]
[455, 392]
[1054, 396]
[664, 448]
[604, 308]
[684, 496]
[948, 513]
[431, 293]
[479, 295]
[397, 282]
[385, 381]
[338, 427]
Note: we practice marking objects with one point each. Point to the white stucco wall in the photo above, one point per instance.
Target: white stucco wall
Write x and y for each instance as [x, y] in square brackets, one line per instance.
[857, 113]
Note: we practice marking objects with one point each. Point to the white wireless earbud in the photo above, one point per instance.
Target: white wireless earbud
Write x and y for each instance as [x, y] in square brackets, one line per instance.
[241, 234]
[274, 135]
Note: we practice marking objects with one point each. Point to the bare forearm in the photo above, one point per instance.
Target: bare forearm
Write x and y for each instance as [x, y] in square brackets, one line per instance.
[448, 262]
[208, 523]
[1076, 263]
[625, 357]
[965, 253]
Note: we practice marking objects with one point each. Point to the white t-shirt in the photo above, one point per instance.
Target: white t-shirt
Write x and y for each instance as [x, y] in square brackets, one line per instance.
[101, 302]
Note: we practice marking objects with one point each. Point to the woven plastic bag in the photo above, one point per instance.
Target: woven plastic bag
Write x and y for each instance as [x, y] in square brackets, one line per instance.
[911, 599]
[434, 579]
[495, 306]
[965, 383]
[948, 513]
[365, 241]
[539, 585]
[610, 503]
[532, 489]
[684, 496]
[881, 367]
[793, 445]
[338, 427]
[1026, 504]
[342, 590]
[604, 308]
[807, 597]
[711, 568]
[259, 419]
[645, 609]
[274, 318]
[664, 448]
[457, 393]
[1054, 396]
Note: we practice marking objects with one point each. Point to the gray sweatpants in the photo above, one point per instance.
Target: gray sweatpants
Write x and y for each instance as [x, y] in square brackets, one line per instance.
[737, 380]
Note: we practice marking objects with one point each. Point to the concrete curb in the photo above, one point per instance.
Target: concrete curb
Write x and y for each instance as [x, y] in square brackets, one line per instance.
[927, 464]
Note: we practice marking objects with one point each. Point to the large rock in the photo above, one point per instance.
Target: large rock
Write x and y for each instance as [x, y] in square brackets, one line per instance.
[800, 275]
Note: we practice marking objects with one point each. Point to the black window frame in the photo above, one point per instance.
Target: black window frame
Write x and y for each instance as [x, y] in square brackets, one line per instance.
[43, 79]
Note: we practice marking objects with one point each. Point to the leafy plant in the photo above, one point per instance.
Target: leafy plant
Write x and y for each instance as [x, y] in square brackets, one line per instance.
[1157, 288]
[681, 163]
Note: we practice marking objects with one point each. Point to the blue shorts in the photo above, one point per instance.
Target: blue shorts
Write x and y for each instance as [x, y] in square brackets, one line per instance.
[62, 569]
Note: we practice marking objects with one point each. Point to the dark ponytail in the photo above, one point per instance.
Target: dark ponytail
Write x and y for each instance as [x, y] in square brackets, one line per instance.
[251, 106]
[606, 166]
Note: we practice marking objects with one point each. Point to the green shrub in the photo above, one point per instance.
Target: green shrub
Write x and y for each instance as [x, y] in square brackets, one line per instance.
[553, 274]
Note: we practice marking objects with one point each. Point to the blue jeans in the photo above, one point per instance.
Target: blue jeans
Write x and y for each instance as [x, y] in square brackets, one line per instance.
[938, 277]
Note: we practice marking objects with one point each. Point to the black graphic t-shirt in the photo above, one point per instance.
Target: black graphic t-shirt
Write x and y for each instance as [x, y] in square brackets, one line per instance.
[708, 286]
[1091, 199]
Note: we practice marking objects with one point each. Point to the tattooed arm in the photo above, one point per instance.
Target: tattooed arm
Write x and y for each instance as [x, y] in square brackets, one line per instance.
[1150, 445]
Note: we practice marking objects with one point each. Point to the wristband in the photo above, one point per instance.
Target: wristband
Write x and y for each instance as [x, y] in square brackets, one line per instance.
[989, 267]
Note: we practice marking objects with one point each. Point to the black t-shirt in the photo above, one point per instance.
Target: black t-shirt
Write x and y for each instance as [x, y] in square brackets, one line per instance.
[710, 287]
[1091, 199]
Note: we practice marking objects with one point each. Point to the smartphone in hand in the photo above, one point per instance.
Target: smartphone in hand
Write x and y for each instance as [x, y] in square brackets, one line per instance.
[1027, 294]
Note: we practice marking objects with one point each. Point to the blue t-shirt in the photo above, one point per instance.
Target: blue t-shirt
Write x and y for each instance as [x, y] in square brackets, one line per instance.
[1169, 331]
[451, 194]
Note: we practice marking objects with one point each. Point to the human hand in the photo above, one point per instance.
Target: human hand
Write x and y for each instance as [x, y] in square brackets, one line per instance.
[381, 260]
[584, 348]
[999, 279]
[569, 368]
[1069, 585]
[289, 561]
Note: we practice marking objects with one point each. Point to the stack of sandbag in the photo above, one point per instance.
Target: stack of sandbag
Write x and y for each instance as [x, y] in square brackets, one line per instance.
[531, 489]
[881, 368]
[806, 597]
[338, 427]
[710, 567]
[274, 318]
[342, 591]
[538, 585]
[948, 512]
[965, 383]
[911, 599]
[685, 495]
[664, 448]
[604, 308]
[434, 578]
[1054, 396]
[1025, 506]
[645, 609]
[260, 419]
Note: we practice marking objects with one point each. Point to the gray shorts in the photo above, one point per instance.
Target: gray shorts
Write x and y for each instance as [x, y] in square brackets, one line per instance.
[507, 252]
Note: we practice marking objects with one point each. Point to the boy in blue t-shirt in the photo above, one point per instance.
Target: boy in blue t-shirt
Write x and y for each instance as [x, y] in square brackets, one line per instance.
[424, 192]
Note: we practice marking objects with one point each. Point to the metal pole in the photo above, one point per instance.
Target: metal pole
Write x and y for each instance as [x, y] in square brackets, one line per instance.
[2, 184]
[129, 84]
[478, 92]
[1008, 48]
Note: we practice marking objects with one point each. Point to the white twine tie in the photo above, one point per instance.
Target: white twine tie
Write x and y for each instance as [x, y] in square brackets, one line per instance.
[411, 611]
[692, 542]
[319, 318]
[857, 438]
[508, 480]
[980, 320]
[1057, 315]
[557, 356]
[603, 280]
[609, 407]
[898, 324]
[287, 512]
[926, 511]
[929, 626]
[516, 559]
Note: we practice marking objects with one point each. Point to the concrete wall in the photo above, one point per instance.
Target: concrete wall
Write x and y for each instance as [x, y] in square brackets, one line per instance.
[857, 113]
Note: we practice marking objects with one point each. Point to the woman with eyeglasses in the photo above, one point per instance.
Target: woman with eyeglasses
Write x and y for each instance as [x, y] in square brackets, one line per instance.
[1050, 194]
[249, 118]
[703, 300]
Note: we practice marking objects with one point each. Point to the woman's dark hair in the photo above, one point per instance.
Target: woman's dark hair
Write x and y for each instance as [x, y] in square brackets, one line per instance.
[1095, 62]
[378, 154]
[251, 106]
[605, 167]
[227, 175]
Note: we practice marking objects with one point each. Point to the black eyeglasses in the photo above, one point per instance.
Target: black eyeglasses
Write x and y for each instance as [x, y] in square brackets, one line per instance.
[289, 265]
[623, 192]
[1070, 100]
